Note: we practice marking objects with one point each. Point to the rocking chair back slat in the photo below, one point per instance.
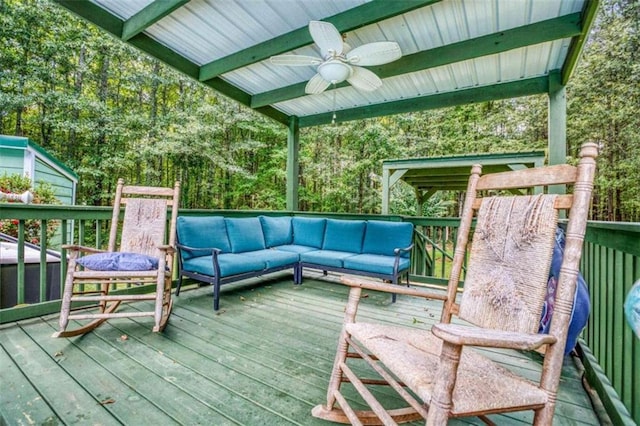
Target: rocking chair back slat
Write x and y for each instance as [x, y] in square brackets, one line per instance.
[509, 263]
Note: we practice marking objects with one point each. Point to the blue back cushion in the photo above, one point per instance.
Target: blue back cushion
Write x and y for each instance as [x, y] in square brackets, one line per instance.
[308, 231]
[277, 230]
[202, 232]
[245, 234]
[383, 237]
[344, 235]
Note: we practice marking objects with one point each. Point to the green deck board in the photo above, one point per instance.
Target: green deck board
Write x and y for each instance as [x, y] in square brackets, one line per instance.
[70, 402]
[21, 402]
[124, 402]
[264, 358]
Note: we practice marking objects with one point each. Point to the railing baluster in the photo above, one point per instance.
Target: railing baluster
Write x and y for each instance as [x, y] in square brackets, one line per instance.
[20, 273]
[43, 261]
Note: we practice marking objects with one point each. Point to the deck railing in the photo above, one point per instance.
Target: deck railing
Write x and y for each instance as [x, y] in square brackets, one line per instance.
[611, 263]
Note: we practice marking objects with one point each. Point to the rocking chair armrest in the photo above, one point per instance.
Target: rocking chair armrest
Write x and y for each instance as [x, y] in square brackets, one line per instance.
[167, 248]
[399, 251]
[368, 285]
[477, 336]
[83, 249]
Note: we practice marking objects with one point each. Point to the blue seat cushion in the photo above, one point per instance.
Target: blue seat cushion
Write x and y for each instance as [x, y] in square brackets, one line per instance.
[375, 263]
[383, 237]
[274, 258]
[277, 230]
[119, 261]
[230, 264]
[202, 232]
[308, 231]
[325, 257]
[296, 249]
[344, 235]
[245, 234]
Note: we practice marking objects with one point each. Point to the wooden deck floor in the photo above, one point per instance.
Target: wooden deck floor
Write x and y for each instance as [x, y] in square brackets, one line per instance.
[264, 359]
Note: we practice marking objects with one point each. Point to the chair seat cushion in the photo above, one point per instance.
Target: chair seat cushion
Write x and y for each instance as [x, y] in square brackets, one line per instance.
[325, 257]
[118, 261]
[230, 264]
[274, 258]
[375, 263]
[294, 248]
[413, 354]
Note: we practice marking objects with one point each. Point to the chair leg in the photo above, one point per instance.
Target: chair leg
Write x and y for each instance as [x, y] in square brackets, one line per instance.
[216, 294]
[441, 403]
[179, 284]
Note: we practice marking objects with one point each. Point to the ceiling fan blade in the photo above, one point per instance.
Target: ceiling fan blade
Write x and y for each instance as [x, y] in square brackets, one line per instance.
[363, 79]
[378, 53]
[295, 60]
[316, 85]
[326, 36]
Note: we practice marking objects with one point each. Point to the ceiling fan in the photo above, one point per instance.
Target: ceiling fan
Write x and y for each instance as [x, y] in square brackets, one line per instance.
[338, 62]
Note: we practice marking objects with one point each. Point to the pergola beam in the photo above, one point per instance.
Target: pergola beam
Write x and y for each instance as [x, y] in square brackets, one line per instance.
[148, 16]
[514, 89]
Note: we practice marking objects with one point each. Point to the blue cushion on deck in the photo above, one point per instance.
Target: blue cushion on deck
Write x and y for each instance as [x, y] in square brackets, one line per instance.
[230, 264]
[308, 231]
[375, 263]
[325, 257]
[383, 237]
[119, 261]
[344, 235]
[581, 303]
[202, 232]
[277, 230]
[245, 234]
[274, 258]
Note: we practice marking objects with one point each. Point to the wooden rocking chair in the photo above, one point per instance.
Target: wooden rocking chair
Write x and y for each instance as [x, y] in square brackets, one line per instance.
[145, 256]
[436, 371]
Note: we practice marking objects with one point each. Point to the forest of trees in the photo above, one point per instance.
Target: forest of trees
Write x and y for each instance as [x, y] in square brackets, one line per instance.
[108, 111]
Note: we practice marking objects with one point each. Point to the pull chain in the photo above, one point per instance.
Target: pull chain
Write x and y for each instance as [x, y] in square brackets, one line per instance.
[333, 118]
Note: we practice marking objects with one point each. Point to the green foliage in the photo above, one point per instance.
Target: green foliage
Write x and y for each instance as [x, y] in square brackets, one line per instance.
[109, 111]
[42, 194]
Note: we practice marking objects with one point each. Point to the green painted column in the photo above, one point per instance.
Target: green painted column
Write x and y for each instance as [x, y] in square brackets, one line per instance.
[293, 164]
[386, 191]
[557, 123]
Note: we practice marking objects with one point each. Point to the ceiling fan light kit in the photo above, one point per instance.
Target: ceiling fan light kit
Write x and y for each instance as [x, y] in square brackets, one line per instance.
[335, 71]
[339, 63]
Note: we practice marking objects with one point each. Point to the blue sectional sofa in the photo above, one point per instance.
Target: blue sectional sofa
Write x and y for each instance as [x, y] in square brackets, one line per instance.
[219, 250]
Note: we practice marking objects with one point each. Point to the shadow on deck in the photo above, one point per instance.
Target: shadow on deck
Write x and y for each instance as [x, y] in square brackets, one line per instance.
[263, 359]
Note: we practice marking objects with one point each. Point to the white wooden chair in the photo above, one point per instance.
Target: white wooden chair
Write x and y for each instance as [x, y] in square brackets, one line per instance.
[436, 371]
[143, 256]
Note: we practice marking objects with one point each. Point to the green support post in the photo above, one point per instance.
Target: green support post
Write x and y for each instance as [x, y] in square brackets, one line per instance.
[557, 125]
[293, 165]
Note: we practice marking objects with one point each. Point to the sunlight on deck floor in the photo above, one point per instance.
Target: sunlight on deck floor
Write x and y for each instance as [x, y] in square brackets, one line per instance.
[263, 359]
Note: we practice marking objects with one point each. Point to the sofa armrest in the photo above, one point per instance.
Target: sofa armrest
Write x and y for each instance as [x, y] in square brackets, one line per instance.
[400, 251]
[213, 250]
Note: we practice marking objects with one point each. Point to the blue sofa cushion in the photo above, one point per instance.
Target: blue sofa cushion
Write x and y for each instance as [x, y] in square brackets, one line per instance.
[119, 261]
[308, 231]
[245, 234]
[325, 257]
[296, 249]
[274, 258]
[383, 237]
[202, 232]
[277, 230]
[375, 263]
[344, 235]
[230, 264]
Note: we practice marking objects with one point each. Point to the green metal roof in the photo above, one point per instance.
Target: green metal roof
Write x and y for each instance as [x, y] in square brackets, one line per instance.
[18, 142]
[453, 52]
